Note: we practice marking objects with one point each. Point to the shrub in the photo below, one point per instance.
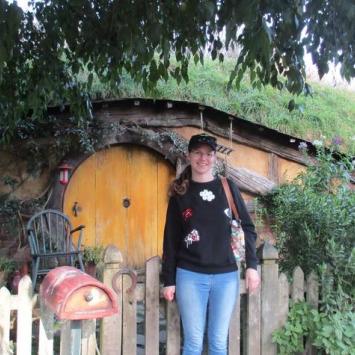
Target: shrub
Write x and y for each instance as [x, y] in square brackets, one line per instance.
[312, 212]
[333, 333]
[314, 220]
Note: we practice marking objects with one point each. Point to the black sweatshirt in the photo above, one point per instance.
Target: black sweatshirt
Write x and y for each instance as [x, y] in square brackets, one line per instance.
[197, 231]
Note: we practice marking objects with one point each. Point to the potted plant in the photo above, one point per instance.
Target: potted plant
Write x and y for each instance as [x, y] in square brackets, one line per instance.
[92, 256]
[7, 266]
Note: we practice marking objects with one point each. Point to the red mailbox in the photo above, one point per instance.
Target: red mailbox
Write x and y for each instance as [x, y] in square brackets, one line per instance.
[72, 294]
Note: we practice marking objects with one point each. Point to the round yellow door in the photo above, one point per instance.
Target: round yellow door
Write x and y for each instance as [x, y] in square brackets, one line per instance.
[120, 195]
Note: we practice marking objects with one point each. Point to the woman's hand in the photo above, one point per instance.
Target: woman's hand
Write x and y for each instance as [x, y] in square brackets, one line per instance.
[252, 280]
[169, 293]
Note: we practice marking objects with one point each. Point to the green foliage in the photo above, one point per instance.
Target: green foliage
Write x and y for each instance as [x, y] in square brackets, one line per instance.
[11, 210]
[8, 207]
[44, 144]
[290, 337]
[312, 213]
[9, 181]
[337, 276]
[333, 333]
[314, 218]
[43, 52]
[7, 265]
[93, 254]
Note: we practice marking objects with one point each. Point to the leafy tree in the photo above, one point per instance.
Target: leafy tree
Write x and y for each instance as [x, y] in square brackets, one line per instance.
[43, 52]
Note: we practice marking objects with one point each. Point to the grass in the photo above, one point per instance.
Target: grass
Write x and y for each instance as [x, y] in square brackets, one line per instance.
[329, 113]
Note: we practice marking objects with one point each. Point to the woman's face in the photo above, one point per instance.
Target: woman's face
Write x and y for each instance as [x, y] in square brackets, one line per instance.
[202, 159]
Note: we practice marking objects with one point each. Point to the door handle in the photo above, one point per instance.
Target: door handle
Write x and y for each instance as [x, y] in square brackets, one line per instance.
[76, 209]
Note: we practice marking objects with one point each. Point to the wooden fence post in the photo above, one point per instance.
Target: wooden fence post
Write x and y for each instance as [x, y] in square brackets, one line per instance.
[312, 297]
[253, 342]
[235, 328]
[46, 323]
[173, 337]
[24, 317]
[151, 330]
[65, 338]
[88, 337]
[5, 299]
[312, 290]
[269, 298]
[111, 327]
[297, 290]
[284, 295]
[129, 317]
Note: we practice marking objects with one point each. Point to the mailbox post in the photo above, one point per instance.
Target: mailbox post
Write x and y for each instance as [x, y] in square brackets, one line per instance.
[74, 295]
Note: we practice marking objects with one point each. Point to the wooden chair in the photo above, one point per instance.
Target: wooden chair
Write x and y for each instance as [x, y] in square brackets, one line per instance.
[50, 235]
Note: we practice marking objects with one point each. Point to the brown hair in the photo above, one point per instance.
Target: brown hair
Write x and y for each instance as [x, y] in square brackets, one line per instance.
[180, 185]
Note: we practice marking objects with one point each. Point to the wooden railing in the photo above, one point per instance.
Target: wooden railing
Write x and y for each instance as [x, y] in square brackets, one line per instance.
[254, 319]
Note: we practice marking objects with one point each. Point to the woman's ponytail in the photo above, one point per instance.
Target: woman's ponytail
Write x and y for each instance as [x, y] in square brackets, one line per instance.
[180, 185]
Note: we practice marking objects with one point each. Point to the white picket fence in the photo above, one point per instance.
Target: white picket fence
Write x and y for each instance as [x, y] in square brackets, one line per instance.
[250, 332]
[24, 304]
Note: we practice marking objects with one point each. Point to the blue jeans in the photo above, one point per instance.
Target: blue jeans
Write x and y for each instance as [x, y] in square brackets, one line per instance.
[195, 294]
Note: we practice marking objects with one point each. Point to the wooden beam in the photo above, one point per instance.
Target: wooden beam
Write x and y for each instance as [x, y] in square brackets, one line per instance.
[250, 182]
[273, 164]
[148, 117]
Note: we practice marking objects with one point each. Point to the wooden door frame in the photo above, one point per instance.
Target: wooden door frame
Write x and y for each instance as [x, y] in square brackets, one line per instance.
[142, 137]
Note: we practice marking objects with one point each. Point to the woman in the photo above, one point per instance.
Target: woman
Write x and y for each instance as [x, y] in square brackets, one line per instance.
[198, 261]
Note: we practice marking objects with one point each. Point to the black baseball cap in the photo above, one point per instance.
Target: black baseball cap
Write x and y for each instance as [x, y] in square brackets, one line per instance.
[203, 138]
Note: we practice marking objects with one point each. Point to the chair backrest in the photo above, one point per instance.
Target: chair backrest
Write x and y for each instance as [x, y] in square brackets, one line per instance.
[49, 232]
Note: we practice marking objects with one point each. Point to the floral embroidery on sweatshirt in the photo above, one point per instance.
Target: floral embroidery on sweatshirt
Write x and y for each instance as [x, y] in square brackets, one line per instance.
[207, 195]
[192, 237]
[187, 213]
